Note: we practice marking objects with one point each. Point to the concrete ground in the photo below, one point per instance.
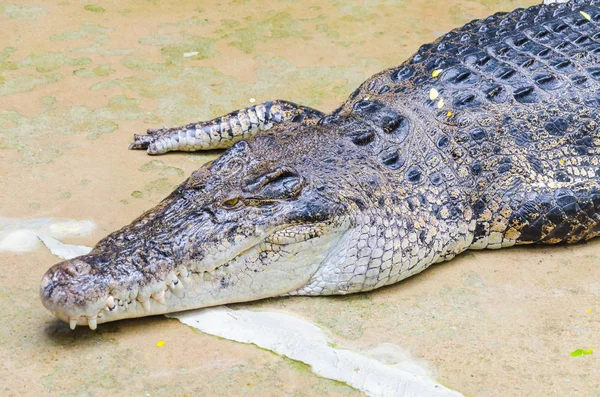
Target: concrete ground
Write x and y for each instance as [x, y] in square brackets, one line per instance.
[78, 78]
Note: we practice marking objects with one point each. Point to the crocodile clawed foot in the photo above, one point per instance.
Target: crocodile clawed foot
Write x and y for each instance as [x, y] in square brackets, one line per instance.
[141, 141]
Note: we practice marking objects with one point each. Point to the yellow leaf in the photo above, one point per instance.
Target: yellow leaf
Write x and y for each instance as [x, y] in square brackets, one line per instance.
[433, 94]
[588, 311]
[160, 343]
[449, 114]
[585, 15]
[436, 73]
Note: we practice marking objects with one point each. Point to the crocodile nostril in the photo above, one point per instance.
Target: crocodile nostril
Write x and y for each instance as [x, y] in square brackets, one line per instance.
[75, 268]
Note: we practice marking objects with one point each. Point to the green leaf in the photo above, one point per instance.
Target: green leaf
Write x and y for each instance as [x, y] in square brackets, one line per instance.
[577, 353]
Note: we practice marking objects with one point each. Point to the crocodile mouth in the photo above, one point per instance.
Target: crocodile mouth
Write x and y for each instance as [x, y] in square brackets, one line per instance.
[190, 285]
[131, 302]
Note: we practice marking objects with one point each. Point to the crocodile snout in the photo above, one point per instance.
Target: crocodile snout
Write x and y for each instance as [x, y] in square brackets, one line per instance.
[73, 293]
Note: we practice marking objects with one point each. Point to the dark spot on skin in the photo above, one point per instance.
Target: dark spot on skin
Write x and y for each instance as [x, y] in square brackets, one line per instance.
[533, 232]
[559, 27]
[465, 101]
[476, 168]
[556, 216]
[436, 178]
[359, 203]
[562, 64]
[459, 76]
[582, 40]
[328, 119]
[544, 53]
[597, 98]
[480, 230]
[502, 168]
[457, 153]
[479, 207]
[373, 85]
[365, 106]
[391, 122]
[536, 164]
[483, 60]
[443, 141]
[455, 212]
[525, 95]
[562, 177]
[363, 138]
[384, 89]
[594, 72]
[505, 73]
[579, 80]
[414, 174]
[547, 81]
[495, 93]
[478, 134]
[557, 127]
[392, 160]
[522, 139]
[521, 40]
[373, 181]
[528, 64]
[402, 74]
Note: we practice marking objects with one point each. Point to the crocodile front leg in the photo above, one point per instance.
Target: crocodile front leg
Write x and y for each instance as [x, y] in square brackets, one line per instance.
[224, 131]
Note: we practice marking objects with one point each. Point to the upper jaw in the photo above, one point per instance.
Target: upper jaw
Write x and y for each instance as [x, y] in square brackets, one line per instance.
[64, 294]
[186, 285]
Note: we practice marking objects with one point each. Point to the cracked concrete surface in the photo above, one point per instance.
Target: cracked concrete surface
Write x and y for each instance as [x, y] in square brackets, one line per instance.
[78, 78]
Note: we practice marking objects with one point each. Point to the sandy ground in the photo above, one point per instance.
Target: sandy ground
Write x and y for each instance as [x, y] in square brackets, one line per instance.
[78, 78]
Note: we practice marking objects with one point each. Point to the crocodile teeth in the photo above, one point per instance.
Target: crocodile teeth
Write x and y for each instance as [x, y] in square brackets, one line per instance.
[92, 323]
[145, 304]
[176, 288]
[159, 297]
[110, 302]
[72, 322]
[174, 284]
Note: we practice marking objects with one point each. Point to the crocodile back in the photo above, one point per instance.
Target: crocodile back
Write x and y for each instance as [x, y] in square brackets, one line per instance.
[516, 92]
[491, 113]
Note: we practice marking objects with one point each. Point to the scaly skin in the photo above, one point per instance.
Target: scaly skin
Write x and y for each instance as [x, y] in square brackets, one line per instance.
[486, 138]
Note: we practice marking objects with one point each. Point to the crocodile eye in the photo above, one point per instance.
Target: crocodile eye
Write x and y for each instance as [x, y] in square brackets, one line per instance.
[231, 203]
[282, 183]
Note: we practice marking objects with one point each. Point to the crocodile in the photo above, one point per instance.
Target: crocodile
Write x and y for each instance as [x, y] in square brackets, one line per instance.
[486, 138]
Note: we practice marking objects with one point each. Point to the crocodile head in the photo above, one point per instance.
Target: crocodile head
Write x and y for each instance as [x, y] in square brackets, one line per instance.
[257, 222]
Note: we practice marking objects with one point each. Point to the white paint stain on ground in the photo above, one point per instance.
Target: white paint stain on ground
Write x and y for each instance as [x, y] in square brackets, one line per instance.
[305, 342]
[24, 235]
[62, 250]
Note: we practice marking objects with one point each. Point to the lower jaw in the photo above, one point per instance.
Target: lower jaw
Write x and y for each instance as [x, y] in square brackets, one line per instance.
[179, 292]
